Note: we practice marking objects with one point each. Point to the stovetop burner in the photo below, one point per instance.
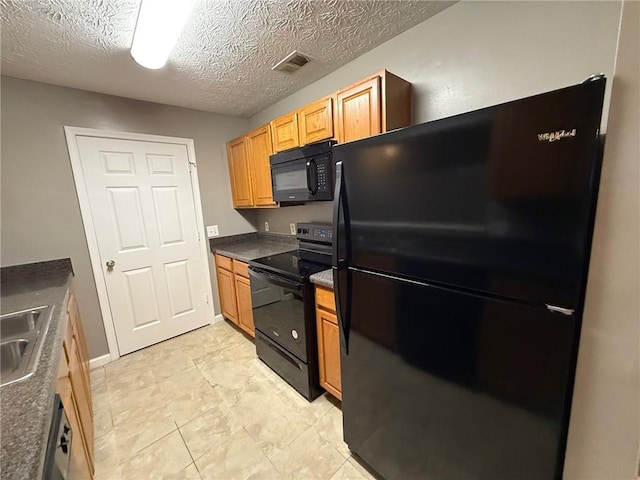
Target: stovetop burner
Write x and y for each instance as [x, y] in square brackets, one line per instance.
[289, 264]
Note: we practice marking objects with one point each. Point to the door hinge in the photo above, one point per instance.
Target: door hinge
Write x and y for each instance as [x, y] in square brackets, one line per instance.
[562, 310]
[206, 298]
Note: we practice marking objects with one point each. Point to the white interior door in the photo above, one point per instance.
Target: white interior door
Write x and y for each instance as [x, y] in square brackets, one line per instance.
[144, 219]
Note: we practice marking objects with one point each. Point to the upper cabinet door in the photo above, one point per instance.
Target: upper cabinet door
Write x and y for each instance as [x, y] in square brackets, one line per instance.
[259, 149]
[315, 121]
[284, 131]
[359, 111]
[239, 173]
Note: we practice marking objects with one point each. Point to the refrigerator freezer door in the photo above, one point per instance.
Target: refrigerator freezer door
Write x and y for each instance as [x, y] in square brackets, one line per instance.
[440, 384]
[500, 200]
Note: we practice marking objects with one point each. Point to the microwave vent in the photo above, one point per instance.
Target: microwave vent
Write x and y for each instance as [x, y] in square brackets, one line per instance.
[291, 63]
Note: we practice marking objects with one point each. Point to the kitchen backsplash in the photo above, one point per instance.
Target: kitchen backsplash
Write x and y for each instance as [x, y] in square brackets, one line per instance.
[280, 218]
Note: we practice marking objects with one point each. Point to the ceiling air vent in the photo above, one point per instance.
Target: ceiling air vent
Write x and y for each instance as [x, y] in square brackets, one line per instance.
[292, 62]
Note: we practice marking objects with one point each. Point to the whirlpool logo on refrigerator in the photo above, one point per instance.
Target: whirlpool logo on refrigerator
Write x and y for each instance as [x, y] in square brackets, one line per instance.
[558, 135]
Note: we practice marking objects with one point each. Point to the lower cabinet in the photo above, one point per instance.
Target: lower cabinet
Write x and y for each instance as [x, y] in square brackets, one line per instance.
[74, 387]
[227, 291]
[234, 289]
[328, 342]
[245, 313]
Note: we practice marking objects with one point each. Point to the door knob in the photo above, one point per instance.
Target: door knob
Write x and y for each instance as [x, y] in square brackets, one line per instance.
[110, 264]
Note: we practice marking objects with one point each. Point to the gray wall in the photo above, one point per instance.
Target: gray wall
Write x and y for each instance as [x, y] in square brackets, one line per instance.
[472, 55]
[605, 418]
[40, 212]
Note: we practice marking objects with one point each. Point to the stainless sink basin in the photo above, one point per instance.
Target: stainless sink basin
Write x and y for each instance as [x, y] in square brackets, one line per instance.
[21, 336]
[11, 353]
[20, 323]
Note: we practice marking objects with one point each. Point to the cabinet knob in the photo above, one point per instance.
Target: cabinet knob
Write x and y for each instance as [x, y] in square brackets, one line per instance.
[110, 264]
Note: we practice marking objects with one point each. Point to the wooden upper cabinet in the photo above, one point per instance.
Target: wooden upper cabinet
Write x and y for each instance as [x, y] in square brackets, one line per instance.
[359, 111]
[315, 121]
[239, 173]
[375, 105]
[284, 132]
[259, 149]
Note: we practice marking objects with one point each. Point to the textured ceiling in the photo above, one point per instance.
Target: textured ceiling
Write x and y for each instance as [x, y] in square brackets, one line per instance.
[222, 61]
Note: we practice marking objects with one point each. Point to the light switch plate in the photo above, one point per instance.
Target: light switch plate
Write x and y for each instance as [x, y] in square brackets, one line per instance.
[292, 228]
[266, 226]
[212, 231]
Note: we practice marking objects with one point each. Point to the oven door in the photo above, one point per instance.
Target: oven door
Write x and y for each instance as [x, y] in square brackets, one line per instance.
[278, 310]
[292, 181]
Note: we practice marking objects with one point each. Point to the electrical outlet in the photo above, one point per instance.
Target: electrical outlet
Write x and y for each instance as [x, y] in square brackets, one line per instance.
[212, 231]
[292, 227]
[266, 226]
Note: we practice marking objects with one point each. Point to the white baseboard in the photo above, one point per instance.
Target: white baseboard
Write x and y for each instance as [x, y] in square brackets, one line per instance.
[99, 361]
[217, 318]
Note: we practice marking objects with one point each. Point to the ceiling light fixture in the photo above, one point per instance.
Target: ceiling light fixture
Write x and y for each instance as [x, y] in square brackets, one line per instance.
[157, 31]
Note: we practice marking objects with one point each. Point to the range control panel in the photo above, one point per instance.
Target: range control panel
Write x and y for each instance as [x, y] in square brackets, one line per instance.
[315, 232]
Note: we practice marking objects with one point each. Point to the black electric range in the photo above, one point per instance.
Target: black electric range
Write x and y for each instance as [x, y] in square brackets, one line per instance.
[283, 305]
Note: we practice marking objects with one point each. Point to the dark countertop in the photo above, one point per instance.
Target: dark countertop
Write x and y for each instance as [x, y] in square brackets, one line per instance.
[324, 278]
[27, 405]
[250, 246]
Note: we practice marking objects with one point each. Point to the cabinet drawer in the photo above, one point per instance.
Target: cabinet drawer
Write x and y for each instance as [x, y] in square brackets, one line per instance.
[241, 268]
[325, 299]
[224, 262]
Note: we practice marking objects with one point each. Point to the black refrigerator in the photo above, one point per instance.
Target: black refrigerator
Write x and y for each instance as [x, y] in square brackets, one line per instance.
[461, 251]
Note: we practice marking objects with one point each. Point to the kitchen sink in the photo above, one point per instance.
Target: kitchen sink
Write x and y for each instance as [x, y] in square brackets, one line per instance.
[21, 337]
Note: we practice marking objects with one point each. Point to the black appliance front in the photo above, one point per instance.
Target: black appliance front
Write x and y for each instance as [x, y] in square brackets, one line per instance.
[315, 243]
[291, 265]
[441, 384]
[279, 311]
[292, 370]
[57, 462]
[499, 200]
[303, 174]
[285, 333]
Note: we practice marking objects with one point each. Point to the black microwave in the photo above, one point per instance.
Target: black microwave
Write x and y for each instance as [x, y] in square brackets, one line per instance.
[303, 174]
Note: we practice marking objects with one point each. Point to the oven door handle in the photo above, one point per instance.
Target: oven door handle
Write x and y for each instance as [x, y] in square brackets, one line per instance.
[274, 279]
[312, 176]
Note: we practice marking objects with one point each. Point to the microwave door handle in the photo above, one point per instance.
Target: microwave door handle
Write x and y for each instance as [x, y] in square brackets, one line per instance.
[312, 177]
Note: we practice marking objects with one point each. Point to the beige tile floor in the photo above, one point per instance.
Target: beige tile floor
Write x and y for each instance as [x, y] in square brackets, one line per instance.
[202, 406]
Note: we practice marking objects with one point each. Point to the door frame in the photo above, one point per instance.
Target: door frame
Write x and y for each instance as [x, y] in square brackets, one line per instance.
[72, 134]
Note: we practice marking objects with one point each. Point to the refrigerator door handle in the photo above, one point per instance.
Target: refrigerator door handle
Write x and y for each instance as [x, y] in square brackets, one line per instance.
[562, 310]
[337, 204]
[341, 275]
